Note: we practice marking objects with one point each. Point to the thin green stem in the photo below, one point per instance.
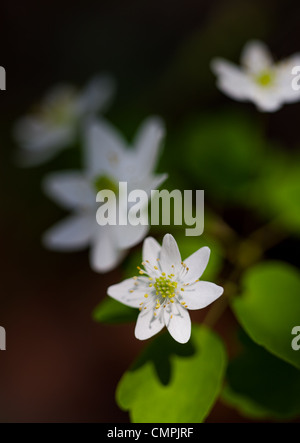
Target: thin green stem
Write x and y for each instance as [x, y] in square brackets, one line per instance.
[245, 254]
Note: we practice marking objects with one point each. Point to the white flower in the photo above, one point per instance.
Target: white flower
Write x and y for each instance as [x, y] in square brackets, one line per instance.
[260, 79]
[166, 289]
[108, 161]
[54, 125]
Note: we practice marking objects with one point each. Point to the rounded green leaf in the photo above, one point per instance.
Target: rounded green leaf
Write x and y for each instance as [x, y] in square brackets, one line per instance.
[269, 307]
[262, 386]
[174, 383]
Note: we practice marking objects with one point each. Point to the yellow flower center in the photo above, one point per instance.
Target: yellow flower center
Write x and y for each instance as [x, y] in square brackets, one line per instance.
[165, 287]
[59, 111]
[265, 78]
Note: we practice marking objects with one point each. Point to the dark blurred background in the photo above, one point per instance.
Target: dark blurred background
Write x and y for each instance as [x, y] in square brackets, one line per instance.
[60, 365]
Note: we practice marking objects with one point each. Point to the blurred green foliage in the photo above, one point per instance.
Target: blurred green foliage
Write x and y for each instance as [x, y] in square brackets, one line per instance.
[111, 311]
[224, 152]
[277, 192]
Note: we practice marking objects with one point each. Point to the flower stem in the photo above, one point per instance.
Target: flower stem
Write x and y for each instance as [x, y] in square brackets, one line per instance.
[245, 254]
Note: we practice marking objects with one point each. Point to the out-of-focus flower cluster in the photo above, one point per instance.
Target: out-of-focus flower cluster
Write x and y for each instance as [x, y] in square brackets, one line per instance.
[64, 117]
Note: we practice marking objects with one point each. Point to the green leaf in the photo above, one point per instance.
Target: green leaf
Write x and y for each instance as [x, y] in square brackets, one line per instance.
[261, 385]
[111, 311]
[269, 307]
[277, 192]
[224, 153]
[245, 405]
[174, 383]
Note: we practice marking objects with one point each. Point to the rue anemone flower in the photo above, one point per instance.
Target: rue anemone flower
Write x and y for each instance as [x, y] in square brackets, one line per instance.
[108, 161]
[166, 289]
[54, 124]
[259, 79]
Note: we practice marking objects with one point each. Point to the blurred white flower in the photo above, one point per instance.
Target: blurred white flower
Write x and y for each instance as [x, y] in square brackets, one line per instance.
[54, 124]
[166, 289]
[260, 80]
[108, 160]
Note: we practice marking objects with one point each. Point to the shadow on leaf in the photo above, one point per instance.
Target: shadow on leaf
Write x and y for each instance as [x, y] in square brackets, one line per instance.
[159, 353]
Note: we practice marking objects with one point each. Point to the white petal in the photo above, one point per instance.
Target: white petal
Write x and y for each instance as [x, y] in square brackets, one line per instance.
[231, 79]
[69, 189]
[129, 236]
[104, 148]
[151, 250]
[256, 57]
[268, 105]
[266, 100]
[157, 181]
[170, 259]
[96, 95]
[27, 129]
[201, 294]
[147, 184]
[196, 263]
[147, 324]
[147, 144]
[72, 234]
[178, 322]
[121, 292]
[34, 135]
[104, 255]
